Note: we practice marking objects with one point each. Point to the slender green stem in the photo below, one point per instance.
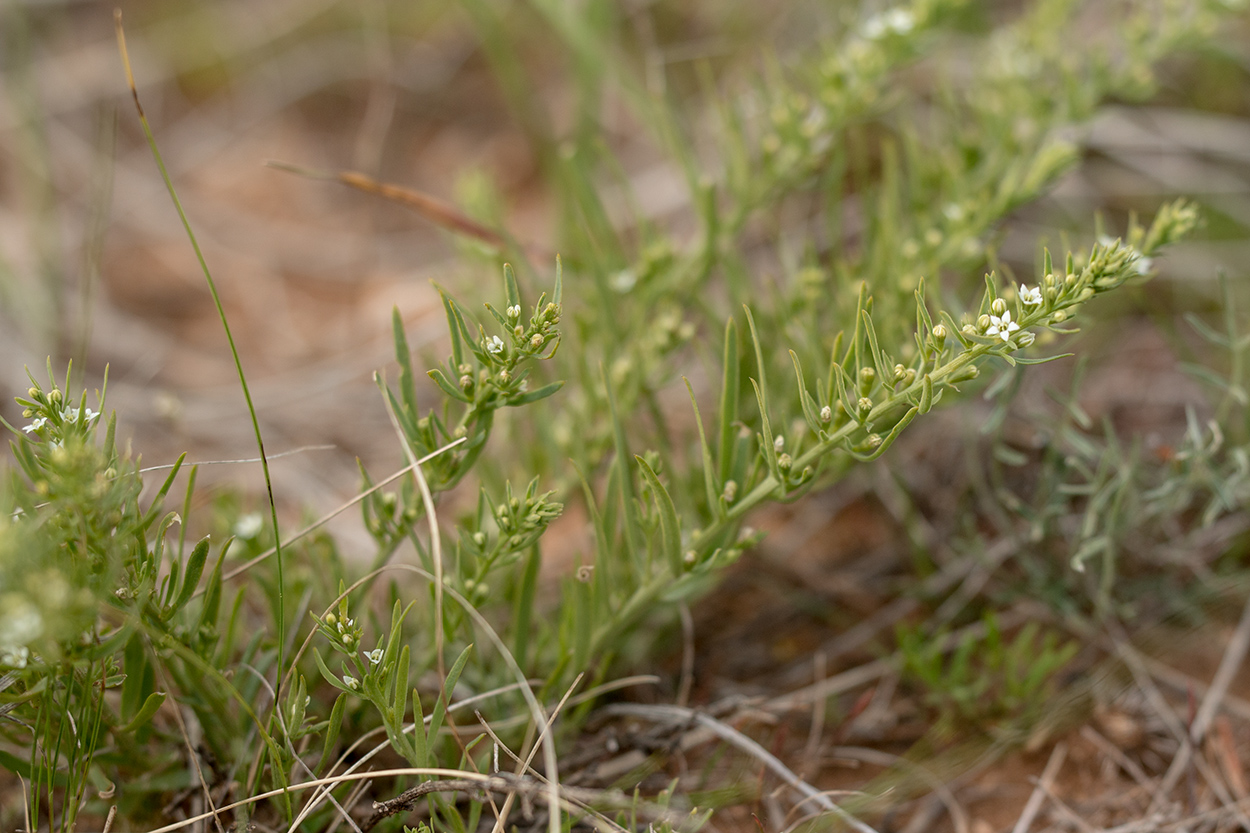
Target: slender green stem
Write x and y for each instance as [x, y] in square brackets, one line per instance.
[225, 324]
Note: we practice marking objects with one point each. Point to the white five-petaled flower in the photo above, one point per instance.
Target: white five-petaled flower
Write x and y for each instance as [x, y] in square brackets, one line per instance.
[494, 344]
[1031, 297]
[36, 425]
[1002, 325]
[375, 656]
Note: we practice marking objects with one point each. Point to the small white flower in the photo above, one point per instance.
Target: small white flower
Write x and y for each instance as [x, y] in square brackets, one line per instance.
[375, 656]
[779, 443]
[248, 526]
[14, 656]
[624, 280]
[1144, 264]
[893, 22]
[351, 682]
[1002, 325]
[494, 344]
[1030, 297]
[36, 425]
[514, 311]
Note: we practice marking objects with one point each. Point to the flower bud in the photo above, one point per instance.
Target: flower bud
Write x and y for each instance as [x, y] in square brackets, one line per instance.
[1025, 339]
[983, 322]
[998, 306]
[784, 462]
[779, 443]
[826, 414]
[479, 538]
[866, 377]
[536, 341]
[864, 405]
[730, 491]
[1058, 317]
[939, 335]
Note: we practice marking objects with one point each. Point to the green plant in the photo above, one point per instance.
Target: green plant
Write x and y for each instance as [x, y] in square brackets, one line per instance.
[866, 330]
[986, 681]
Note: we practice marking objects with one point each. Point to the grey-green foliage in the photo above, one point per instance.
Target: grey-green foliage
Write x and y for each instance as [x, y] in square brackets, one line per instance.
[906, 176]
[986, 680]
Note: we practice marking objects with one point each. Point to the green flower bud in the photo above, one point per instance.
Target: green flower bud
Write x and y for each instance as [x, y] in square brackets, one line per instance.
[866, 377]
[998, 306]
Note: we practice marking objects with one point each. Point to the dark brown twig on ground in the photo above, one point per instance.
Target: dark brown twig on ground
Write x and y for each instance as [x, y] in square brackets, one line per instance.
[736, 738]
[407, 800]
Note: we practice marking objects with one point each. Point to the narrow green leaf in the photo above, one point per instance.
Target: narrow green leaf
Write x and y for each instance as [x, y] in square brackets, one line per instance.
[729, 395]
[212, 592]
[453, 328]
[532, 396]
[510, 286]
[884, 372]
[449, 687]
[625, 482]
[670, 527]
[407, 381]
[446, 386]
[330, 677]
[333, 725]
[558, 293]
[766, 429]
[805, 399]
[835, 367]
[926, 394]
[191, 576]
[709, 468]
[760, 368]
[890, 438]
[154, 701]
[524, 605]
[399, 699]
[1024, 360]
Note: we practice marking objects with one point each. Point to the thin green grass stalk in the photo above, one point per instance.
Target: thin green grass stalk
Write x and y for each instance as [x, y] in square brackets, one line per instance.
[221, 313]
